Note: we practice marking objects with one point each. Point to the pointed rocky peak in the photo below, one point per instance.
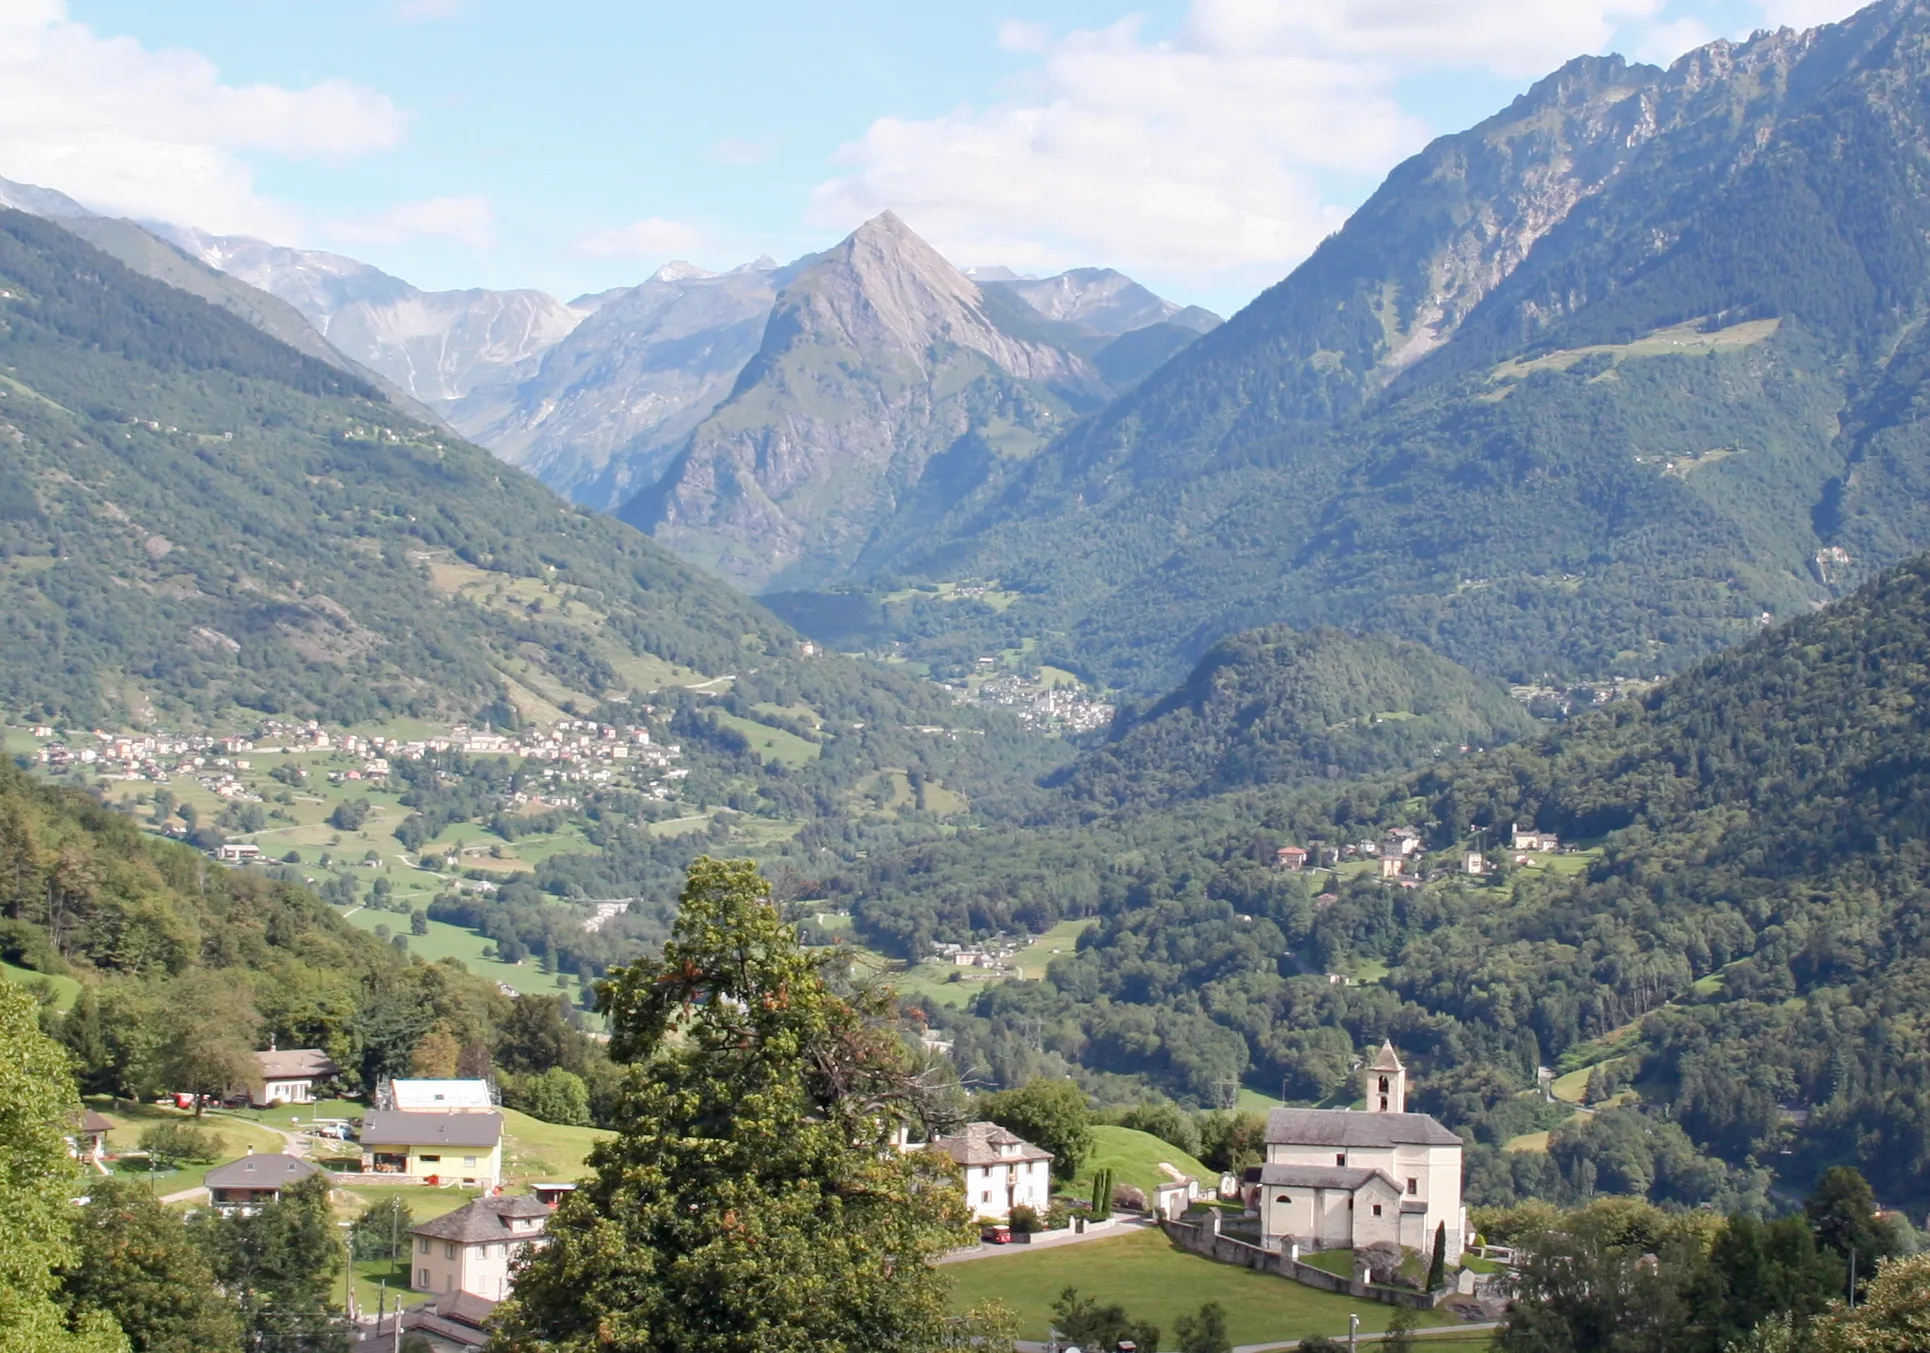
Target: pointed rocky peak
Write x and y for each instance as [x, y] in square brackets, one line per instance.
[762, 263]
[884, 288]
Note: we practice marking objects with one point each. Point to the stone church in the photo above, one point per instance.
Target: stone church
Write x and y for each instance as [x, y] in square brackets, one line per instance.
[1347, 1179]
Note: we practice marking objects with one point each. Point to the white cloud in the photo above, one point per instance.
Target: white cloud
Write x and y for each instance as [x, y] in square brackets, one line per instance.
[460, 220]
[649, 238]
[1203, 155]
[158, 133]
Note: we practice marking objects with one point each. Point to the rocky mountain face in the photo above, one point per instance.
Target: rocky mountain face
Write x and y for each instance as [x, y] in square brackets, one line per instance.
[1102, 301]
[884, 383]
[1590, 389]
[609, 405]
[437, 346]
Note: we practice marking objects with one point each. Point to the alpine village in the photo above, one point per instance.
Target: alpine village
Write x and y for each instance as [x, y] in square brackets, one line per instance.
[926, 796]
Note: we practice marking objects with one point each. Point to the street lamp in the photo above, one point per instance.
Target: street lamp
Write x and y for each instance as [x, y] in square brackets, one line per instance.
[348, 1267]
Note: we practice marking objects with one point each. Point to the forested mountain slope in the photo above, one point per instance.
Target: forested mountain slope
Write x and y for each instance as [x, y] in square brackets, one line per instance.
[1745, 943]
[1585, 390]
[195, 518]
[1275, 706]
[184, 964]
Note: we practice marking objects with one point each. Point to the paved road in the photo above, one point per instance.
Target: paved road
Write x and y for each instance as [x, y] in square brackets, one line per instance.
[1123, 1227]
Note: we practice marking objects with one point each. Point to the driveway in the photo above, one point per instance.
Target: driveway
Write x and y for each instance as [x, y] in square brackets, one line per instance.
[1125, 1226]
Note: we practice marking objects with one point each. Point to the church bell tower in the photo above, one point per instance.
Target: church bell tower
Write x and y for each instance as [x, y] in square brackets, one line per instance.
[1386, 1082]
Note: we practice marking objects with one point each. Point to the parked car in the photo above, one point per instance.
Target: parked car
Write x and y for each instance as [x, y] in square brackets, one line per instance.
[996, 1235]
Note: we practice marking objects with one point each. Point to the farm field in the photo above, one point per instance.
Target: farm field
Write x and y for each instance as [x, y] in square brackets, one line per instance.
[534, 1150]
[1156, 1280]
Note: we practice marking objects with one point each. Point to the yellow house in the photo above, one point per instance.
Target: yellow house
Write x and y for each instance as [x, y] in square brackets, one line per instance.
[439, 1147]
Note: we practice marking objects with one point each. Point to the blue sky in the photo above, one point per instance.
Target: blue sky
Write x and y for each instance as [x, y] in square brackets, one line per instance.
[1203, 145]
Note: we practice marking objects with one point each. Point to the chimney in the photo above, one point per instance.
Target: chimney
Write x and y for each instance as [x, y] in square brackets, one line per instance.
[251, 1150]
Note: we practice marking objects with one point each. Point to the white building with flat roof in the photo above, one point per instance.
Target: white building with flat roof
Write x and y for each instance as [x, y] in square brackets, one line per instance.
[465, 1096]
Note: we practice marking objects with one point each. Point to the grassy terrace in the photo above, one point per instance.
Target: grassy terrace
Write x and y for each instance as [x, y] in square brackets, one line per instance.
[1134, 1158]
[1156, 1280]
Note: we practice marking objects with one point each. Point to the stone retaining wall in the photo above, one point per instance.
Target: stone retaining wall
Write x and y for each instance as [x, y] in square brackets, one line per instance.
[1205, 1238]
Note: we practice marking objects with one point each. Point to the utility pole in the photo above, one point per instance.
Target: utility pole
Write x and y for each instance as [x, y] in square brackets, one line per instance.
[1852, 1277]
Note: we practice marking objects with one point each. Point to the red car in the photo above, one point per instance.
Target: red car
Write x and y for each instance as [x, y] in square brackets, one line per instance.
[996, 1235]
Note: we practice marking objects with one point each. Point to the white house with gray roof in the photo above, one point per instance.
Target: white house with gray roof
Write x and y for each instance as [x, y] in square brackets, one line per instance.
[1345, 1179]
[1002, 1170]
[474, 1248]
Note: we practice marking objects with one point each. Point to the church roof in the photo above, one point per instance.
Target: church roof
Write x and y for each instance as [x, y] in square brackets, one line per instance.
[1322, 1177]
[1344, 1128]
[1387, 1061]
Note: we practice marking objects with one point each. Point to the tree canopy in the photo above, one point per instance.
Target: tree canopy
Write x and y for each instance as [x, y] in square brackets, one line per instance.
[755, 1198]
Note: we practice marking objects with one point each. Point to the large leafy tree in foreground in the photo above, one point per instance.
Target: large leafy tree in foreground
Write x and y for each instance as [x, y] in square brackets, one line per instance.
[754, 1201]
[38, 1178]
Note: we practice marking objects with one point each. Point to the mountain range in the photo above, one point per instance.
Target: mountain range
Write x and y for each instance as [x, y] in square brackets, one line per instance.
[1592, 389]
[1669, 317]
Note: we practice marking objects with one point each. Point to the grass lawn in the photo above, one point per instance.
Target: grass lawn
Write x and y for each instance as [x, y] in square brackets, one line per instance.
[1134, 1158]
[131, 1119]
[535, 1150]
[1253, 1099]
[1156, 1280]
[452, 941]
[1340, 1263]
[66, 990]
[294, 1117]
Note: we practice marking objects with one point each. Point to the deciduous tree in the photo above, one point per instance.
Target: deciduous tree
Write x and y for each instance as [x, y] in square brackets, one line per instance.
[139, 1266]
[754, 1199]
[1049, 1113]
[38, 1108]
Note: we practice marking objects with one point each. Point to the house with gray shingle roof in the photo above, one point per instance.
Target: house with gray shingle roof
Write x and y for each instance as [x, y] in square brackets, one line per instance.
[247, 1184]
[1002, 1170]
[1346, 1179]
[471, 1249]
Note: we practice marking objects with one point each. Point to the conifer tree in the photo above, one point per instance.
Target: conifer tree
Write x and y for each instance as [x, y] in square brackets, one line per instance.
[754, 1200]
